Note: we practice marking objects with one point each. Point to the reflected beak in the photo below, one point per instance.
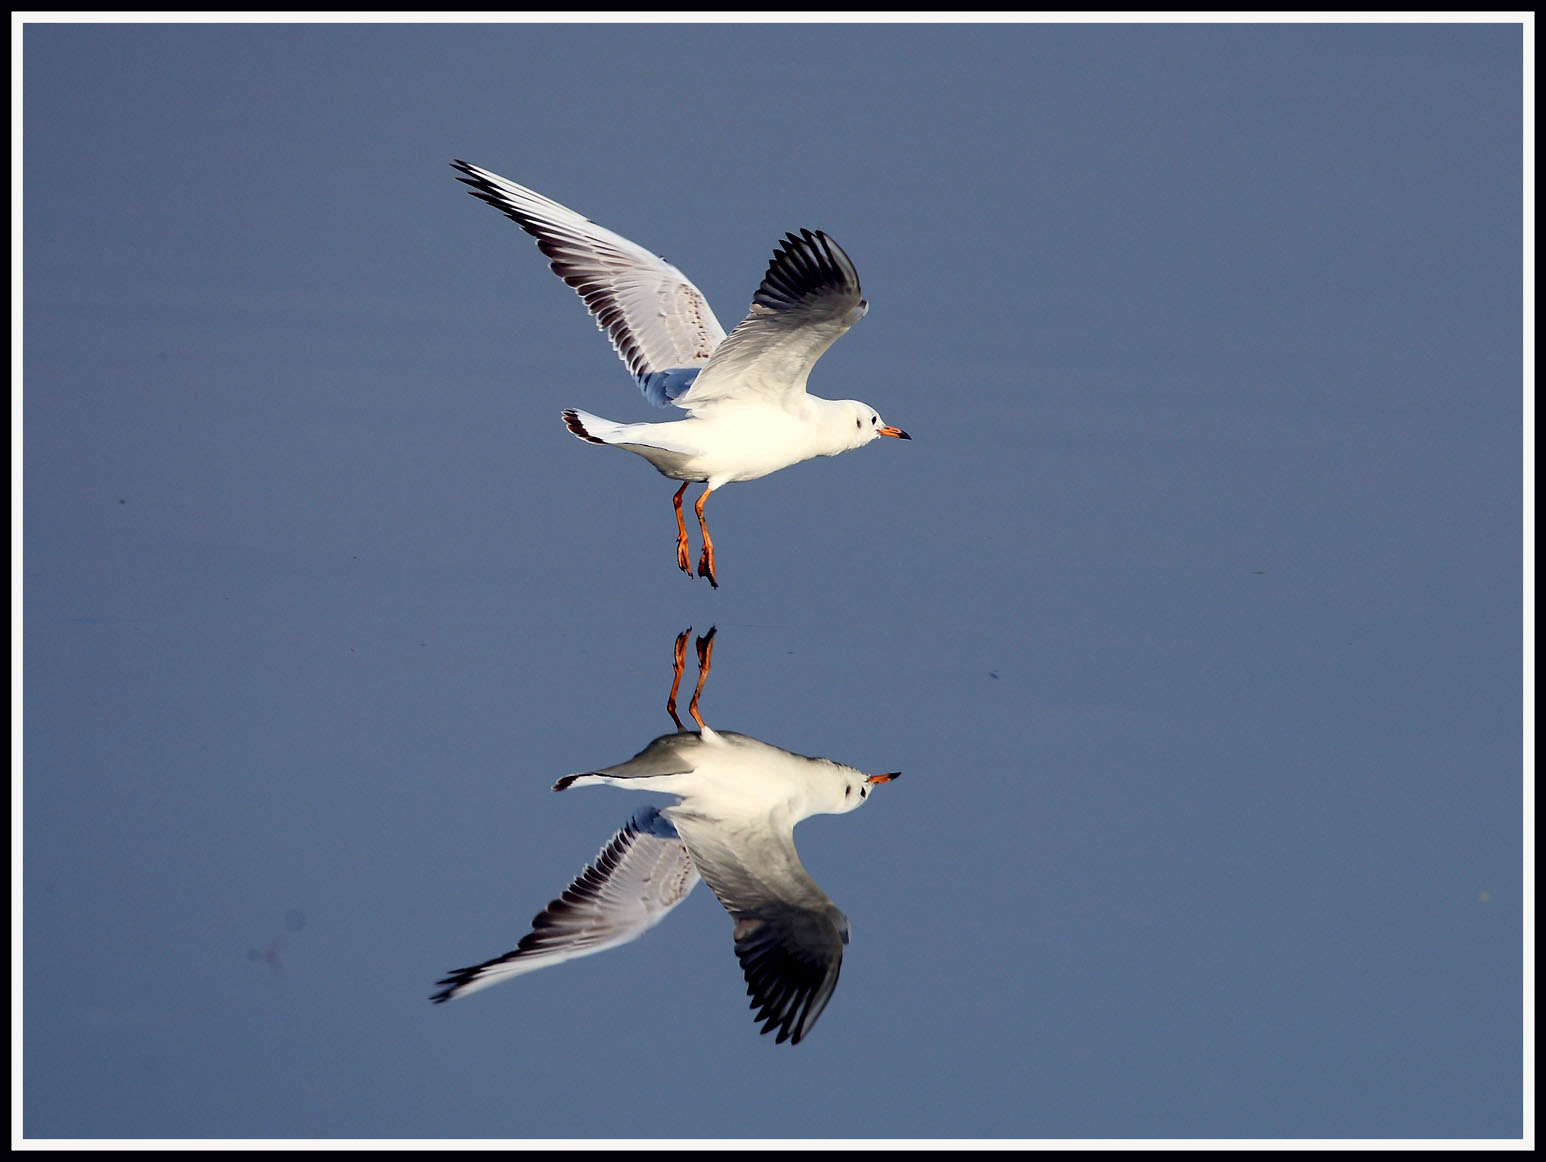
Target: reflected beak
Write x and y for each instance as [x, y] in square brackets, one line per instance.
[888, 430]
[873, 779]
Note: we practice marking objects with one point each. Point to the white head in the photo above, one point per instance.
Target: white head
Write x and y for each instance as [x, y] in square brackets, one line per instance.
[851, 788]
[865, 423]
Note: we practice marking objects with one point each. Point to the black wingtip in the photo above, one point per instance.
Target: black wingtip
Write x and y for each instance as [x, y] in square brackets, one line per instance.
[806, 264]
[573, 422]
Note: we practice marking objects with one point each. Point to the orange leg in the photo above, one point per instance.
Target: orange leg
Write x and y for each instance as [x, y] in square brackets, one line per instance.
[705, 660]
[679, 662]
[706, 558]
[683, 561]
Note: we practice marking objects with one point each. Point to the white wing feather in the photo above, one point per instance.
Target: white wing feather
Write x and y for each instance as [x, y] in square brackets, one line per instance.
[657, 319]
[642, 873]
[808, 299]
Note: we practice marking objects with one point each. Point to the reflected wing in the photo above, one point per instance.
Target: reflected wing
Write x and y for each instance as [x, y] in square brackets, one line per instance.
[670, 754]
[789, 935]
[807, 300]
[659, 323]
[640, 875]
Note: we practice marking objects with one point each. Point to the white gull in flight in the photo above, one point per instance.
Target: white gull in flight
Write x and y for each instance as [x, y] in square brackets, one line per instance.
[744, 394]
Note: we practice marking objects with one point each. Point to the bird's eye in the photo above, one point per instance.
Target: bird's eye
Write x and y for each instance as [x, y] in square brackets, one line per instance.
[863, 791]
[874, 419]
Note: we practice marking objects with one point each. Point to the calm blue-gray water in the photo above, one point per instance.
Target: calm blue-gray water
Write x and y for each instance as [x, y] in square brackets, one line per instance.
[1191, 613]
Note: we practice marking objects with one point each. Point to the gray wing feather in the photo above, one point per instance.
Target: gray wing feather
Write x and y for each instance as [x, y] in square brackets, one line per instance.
[789, 935]
[670, 754]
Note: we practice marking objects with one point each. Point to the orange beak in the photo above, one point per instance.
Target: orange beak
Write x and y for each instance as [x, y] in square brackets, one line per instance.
[888, 430]
[873, 779]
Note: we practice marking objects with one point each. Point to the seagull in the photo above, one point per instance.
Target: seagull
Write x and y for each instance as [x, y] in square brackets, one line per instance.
[748, 413]
[738, 800]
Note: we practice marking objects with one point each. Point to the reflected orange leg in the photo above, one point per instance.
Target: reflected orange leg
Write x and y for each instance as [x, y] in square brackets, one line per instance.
[683, 561]
[679, 663]
[706, 558]
[705, 661]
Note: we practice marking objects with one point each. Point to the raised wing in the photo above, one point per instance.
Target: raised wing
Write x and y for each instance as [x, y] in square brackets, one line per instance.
[789, 935]
[659, 323]
[808, 299]
[640, 875]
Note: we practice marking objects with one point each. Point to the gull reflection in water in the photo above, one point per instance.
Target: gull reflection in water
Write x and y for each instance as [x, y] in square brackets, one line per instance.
[738, 801]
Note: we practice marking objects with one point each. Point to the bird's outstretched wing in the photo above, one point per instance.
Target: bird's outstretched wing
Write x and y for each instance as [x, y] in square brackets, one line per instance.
[808, 299]
[658, 321]
[789, 935]
[635, 880]
[670, 754]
